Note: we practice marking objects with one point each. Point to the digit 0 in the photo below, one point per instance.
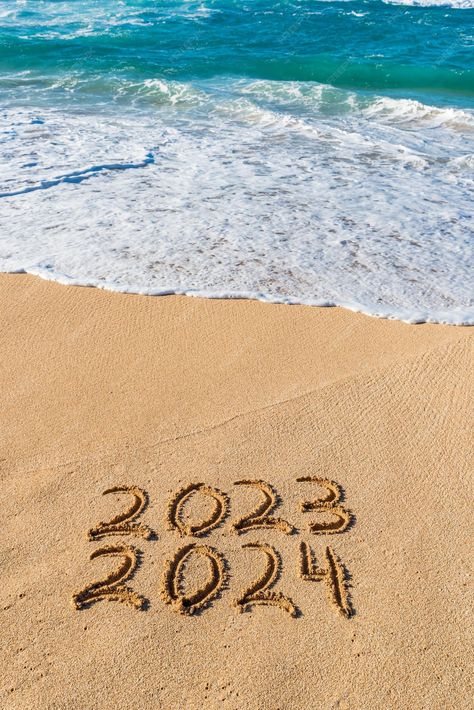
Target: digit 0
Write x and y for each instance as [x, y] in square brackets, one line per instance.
[174, 573]
[175, 516]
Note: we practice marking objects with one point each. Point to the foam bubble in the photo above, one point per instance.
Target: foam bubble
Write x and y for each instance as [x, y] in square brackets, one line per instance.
[244, 196]
[455, 4]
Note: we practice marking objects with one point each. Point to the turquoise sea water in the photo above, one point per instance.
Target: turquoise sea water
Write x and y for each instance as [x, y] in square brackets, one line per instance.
[309, 151]
[99, 47]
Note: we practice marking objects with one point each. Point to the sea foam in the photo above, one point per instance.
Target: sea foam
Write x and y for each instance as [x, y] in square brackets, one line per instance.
[283, 191]
[455, 4]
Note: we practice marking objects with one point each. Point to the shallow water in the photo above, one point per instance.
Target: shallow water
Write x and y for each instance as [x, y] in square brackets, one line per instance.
[312, 152]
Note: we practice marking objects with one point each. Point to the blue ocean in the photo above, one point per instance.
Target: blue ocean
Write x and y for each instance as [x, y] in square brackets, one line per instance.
[295, 151]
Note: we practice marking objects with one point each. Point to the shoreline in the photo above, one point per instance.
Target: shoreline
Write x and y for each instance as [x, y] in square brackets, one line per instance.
[371, 310]
[103, 390]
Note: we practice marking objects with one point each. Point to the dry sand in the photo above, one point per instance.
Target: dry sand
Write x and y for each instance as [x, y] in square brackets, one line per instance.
[103, 390]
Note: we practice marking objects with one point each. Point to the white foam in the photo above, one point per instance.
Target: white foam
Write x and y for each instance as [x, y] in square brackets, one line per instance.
[455, 4]
[370, 209]
[409, 111]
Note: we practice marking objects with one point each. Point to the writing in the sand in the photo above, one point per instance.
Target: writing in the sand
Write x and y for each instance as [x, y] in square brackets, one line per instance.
[328, 517]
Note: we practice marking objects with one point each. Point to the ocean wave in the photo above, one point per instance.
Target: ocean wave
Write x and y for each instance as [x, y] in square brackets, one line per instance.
[97, 90]
[411, 112]
[289, 41]
[64, 20]
[463, 161]
[314, 96]
[243, 202]
[348, 135]
[295, 151]
[455, 4]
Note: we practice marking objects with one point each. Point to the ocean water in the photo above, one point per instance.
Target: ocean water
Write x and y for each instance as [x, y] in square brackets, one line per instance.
[296, 151]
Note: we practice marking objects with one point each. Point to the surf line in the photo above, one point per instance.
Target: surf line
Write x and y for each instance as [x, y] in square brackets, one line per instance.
[79, 175]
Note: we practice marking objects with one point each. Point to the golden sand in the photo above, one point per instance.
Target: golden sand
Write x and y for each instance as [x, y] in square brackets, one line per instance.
[227, 504]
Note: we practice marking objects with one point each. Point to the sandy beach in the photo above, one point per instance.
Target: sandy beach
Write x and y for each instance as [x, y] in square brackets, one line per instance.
[348, 589]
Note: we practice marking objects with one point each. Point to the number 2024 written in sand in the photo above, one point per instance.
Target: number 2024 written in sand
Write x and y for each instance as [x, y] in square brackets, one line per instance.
[329, 516]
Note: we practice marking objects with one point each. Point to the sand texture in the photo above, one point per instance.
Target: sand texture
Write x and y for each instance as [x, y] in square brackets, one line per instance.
[228, 504]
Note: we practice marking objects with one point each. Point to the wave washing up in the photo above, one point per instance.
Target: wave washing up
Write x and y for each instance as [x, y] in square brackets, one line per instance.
[229, 501]
[297, 152]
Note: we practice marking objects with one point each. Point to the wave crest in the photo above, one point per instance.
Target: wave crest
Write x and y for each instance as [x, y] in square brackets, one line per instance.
[455, 4]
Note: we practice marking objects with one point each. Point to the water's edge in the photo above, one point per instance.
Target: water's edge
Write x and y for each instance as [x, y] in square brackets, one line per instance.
[373, 311]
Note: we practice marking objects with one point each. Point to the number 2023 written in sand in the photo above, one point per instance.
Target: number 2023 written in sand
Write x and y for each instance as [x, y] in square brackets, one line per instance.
[329, 517]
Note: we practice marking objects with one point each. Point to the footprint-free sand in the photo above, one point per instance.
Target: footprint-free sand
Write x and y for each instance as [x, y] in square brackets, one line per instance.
[105, 391]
